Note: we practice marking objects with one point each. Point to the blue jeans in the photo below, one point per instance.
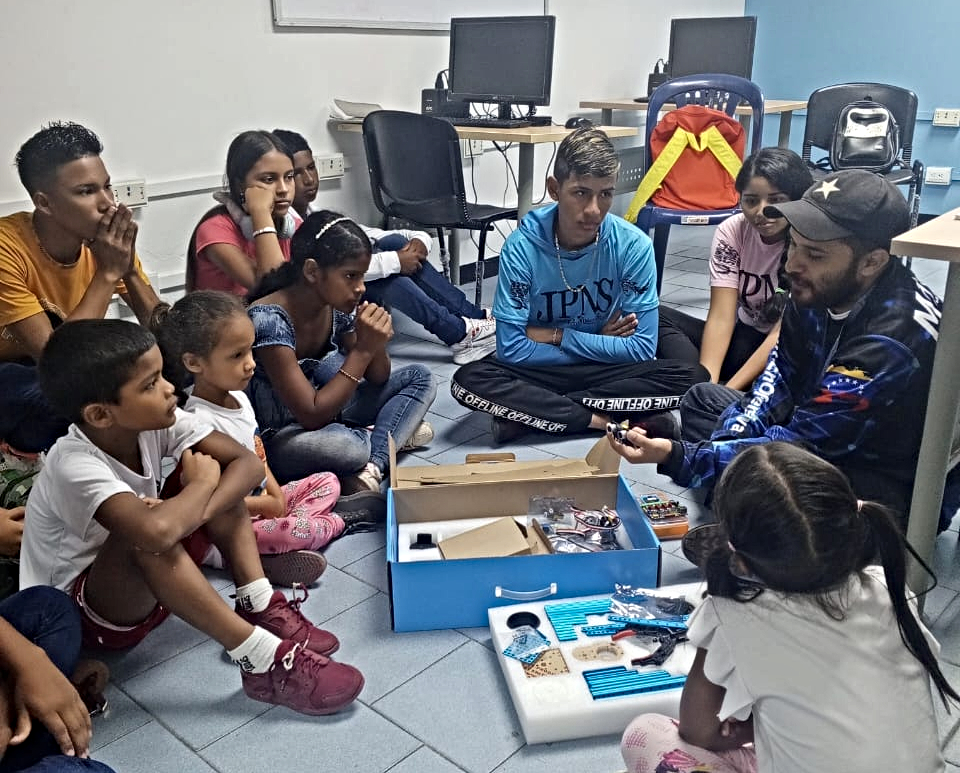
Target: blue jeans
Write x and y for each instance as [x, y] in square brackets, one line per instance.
[49, 619]
[427, 297]
[27, 421]
[344, 447]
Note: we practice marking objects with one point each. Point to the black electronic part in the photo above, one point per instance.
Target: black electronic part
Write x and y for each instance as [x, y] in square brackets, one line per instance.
[578, 122]
[424, 541]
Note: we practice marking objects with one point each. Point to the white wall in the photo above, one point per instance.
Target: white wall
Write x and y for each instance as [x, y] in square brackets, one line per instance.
[168, 83]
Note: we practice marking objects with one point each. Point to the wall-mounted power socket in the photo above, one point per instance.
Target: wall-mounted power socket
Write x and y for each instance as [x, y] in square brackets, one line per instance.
[946, 116]
[329, 165]
[133, 193]
[938, 175]
[471, 149]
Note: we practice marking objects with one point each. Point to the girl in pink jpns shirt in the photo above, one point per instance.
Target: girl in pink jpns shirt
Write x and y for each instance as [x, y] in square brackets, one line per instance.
[747, 285]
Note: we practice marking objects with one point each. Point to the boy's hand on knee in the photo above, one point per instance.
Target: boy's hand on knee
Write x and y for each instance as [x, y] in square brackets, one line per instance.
[199, 468]
[411, 256]
[42, 692]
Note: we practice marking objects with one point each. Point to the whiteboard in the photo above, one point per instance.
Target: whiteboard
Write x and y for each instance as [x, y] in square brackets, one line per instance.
[395, 14]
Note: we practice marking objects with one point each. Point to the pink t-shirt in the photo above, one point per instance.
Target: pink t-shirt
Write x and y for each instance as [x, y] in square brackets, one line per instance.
[220, 229]
[740, 259]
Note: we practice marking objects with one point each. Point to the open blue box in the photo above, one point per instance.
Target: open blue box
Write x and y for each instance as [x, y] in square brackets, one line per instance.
[436, 594]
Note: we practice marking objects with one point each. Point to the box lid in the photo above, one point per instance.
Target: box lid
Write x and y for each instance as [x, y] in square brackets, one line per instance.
[481, 468]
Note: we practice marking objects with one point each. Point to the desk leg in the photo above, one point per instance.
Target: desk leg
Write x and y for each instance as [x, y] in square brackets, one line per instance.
[938, 432]
[786, 121]
[606, 116]
[454, 244]
[525, 180]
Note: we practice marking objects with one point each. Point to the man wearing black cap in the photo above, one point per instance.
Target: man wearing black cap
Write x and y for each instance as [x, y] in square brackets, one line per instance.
[850, 374]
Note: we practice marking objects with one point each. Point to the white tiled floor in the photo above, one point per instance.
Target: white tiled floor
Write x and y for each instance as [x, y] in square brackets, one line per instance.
[434, 702]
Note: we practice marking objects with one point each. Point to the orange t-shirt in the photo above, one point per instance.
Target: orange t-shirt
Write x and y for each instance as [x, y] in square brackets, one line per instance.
[31, 282]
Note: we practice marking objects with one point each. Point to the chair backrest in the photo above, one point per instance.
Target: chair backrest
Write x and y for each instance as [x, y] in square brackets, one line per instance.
[412, 159]
[714, 90]
[824, 106]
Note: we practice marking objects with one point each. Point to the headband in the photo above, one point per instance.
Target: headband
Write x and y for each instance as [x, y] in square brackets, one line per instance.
[333, 222]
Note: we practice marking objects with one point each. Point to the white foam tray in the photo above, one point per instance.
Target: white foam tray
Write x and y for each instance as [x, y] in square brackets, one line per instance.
[560, 707]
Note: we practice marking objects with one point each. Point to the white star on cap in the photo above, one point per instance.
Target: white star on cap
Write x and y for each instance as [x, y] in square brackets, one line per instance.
[826, 188]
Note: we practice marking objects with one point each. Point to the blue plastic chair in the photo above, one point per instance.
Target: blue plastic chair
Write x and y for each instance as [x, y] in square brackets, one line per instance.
[714, 90]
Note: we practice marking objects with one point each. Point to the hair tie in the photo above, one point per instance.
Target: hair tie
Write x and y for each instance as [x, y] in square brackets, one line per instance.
[333, 222]
[859, 505]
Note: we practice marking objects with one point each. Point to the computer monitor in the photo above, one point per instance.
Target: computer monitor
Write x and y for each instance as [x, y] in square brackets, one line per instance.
[712, 45]
[502, 59]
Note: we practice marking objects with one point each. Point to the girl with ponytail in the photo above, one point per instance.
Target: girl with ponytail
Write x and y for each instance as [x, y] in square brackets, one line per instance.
[810, 654]
[324, 392]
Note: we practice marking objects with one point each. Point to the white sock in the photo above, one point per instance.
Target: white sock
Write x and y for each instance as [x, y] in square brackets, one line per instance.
[257, 652]
[255, 596]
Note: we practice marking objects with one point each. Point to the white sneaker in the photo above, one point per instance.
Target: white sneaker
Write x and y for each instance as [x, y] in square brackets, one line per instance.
[480, 340]
[421, 437]
[368, 479]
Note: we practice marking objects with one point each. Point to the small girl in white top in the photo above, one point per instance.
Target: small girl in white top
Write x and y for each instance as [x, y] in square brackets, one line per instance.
[206, 339]
[809, 658]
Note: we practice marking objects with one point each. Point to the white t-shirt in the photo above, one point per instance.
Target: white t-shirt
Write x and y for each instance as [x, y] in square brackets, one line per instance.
[60, 536]
[825, 694]
[740, 259]
[237, 423]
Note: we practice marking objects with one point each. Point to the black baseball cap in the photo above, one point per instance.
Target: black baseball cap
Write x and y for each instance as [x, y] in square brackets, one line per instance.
[854, 203]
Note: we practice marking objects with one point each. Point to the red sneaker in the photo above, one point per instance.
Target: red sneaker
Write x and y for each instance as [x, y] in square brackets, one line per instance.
[284, 619]
[304, 681]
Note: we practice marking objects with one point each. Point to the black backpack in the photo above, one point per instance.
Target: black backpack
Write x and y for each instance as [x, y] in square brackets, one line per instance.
[866, 137]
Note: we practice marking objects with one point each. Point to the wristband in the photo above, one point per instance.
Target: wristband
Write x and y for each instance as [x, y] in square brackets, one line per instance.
[350, 376]
[268, 230]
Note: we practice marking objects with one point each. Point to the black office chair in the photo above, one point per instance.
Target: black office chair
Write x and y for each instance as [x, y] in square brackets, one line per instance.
[720, 92]
[823, 109]
[416, 172]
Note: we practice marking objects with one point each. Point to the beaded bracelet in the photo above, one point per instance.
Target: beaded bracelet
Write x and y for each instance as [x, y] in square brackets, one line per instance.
[268, 230]
[350, 376]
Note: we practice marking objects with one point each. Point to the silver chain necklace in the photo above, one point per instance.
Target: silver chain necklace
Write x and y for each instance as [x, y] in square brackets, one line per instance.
[556, 244]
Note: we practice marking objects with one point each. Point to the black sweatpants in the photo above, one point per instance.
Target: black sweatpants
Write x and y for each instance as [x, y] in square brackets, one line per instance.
[562, 399]
[681, 335]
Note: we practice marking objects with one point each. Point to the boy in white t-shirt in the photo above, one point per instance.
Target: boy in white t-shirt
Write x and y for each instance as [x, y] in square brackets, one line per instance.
[95, 528]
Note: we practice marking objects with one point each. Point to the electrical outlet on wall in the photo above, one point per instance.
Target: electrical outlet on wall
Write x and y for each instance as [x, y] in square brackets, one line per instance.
[946, 116]
[133, 193]
[329, 165]
[938, 175]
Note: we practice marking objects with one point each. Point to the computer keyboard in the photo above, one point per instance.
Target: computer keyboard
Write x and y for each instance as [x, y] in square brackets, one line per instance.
[489, 123]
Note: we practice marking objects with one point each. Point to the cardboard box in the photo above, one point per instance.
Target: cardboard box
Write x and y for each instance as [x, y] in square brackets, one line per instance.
[503, 537]
[558, 706]
[428, 595]
[500, 538]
